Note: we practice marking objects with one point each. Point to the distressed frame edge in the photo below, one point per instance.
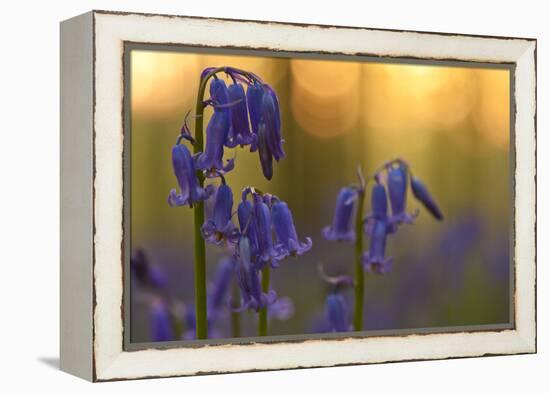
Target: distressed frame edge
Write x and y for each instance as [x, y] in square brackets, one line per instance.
[76, 196]
[525, 335]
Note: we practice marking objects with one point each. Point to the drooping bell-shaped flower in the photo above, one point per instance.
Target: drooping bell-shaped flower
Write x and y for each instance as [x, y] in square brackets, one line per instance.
[219, 228]
[184, 169]
[374, 260]
[220, 287]
[337, 313]
[160, 322]
[248, 279]
[254, 95]
[397, 189]
[239, 132]
[216, 134]
[421, 193]
[266, 158]
[379, 202]
[283, 224]
[219, 96]
[266, 250]
[247, 224]
[271, 117]
[342, 223]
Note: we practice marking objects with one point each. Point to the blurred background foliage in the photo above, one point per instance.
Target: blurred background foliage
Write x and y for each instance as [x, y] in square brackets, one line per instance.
[450, 123]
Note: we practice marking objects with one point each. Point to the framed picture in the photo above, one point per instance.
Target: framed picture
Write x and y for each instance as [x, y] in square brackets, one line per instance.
[245, 195]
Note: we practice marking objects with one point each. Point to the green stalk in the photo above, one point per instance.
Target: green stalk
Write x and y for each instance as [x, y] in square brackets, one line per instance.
[200, 248]
[359, 274]
[262, 315]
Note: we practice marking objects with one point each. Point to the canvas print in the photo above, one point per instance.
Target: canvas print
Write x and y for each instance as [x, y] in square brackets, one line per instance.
[293, 197]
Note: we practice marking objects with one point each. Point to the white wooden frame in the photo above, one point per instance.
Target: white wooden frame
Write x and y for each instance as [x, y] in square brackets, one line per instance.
[92, 194]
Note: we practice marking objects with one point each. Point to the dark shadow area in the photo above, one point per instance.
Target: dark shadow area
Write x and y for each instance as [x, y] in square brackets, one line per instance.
[52, 362]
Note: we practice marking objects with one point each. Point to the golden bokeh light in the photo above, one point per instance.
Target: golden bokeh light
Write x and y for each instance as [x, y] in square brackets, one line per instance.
[417, 97]
[163, 83]
[325, 96]
[492, 116]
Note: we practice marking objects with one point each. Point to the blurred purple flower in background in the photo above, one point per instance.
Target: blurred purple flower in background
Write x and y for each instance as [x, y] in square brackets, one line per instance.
[219, 290]
[337, 313]
[145, 273]
[161, 324]
[423, 195]
[282, 309]
[342, 223]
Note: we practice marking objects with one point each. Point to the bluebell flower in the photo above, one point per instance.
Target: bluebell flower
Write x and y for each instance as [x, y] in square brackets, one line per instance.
[254, 95]
[218, 294]
[247, 224]
[271, 117]
[374, 260]
[266, 157]
[161, 324]
[283, 224]
[397, 189]
[248, 279]
[239, 132]
[342, 223]
[422, 194]
[184, 169]
[379, 202]
[219, 228]
[378, 226]
[216, 134]
[337, 313]
[219, 96]
[266, 250]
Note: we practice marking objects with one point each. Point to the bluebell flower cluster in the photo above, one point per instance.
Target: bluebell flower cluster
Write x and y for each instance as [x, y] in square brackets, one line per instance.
[391, 183]
[267, 236]
[241, 118]
[246, 113]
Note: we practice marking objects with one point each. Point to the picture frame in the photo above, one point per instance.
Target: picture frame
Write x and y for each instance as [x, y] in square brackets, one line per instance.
[93, 158]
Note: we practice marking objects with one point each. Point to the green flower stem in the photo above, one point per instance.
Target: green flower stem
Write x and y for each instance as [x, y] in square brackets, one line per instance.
[200, 248]
[359, 273]
[235, 315]
[262, 315]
